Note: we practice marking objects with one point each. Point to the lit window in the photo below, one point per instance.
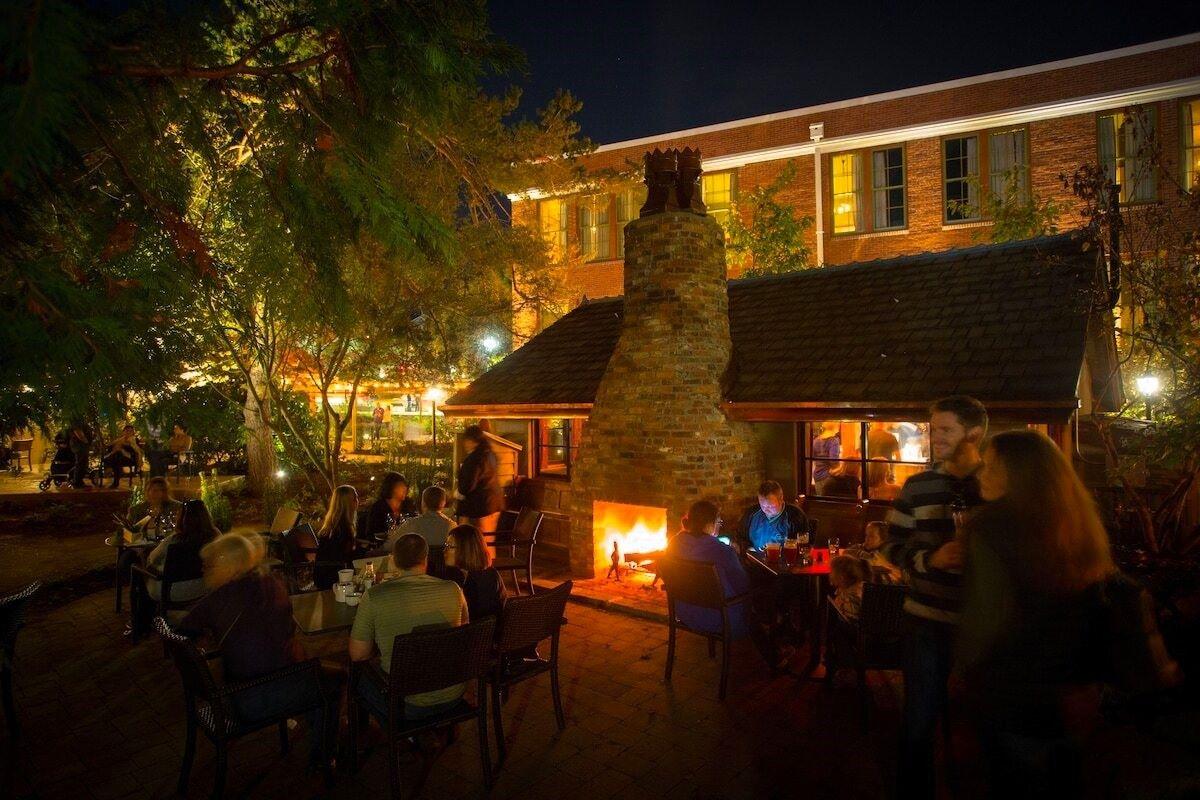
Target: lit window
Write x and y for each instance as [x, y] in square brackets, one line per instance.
[1190, 123]
[718, 190]
[847, 189]
[1125, 141]
[593, 227]
[960, 160]
[836, 466]
[887, 183]
[558, 442]
[552, 217]
[629, 204]
[1008, 165]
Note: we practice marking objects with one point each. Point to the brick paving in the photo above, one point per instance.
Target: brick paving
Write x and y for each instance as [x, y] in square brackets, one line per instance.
[103, 719]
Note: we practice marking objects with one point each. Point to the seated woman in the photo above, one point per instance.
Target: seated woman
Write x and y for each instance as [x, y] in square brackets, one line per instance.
[390, 508]
[469, 564]
[193, 530]
[335, 539]
[123, 452]
[158, 511]
[248, 617]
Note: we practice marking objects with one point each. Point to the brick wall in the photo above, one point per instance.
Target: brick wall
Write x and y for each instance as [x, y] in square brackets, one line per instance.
[1056, 146]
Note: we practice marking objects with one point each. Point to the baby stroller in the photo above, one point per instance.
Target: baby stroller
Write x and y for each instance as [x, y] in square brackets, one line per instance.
[61, 466]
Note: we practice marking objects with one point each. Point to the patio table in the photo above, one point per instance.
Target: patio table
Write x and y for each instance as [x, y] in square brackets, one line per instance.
[136, 544]
[818, 573]
[318, 612]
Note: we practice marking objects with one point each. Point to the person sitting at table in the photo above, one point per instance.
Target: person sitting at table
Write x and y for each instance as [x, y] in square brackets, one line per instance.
[848, 575]
[124, 452]
[336, 538]
[158, 509]
[879, 478]
[391, 506]
[247, 616]
[193, 530]
[874, 535]
[432, 525]
[845, 480]
[773, 519]
[409, 600]
[698, 542]
[469, 564]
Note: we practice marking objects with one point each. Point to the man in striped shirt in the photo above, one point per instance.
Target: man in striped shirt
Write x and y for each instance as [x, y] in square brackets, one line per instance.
[922, 541]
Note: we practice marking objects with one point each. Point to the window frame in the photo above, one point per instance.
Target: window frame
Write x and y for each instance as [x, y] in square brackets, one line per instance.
[562, 233]
[595, 204]
[1026, 184]
[726, 209]
[1151, 110]
[857, 192]
[805, 461]
[1189, 152]
[980, 169]
[867, 190]
[903, 187]
[634, 209]
[572, 431]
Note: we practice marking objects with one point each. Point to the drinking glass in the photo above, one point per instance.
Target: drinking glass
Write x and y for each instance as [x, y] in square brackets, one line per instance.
[773, 549]
[789, 550]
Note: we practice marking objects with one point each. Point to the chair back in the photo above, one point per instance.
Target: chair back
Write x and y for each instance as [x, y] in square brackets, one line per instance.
[507, 521]
[198, 681]
[528, 619]
[22, 446]
[360, 524]
[695, 583]
[300, 544]
[285, 519]
[527, 525]
[882, 614]
[183, 563]
[12, 617]
[429, 660]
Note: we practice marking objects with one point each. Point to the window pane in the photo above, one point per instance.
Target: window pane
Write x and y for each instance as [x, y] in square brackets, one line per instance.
[847, 188]
[1190, 124]
[835, 469]
[1008, 165]
[593, 227]
[717, 191]
[889, 445]
[552, 215]
[629, 204]
[554, 443]
[1124, 143]
[887, 180]
[961, 168]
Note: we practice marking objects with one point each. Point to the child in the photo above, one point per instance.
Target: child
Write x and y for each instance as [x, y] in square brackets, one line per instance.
[848, 574]
[873, 537]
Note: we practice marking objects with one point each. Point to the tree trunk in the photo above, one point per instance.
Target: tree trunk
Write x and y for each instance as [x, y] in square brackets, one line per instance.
[260, 449]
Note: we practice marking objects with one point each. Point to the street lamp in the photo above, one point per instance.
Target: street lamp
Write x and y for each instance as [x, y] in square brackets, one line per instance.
[490, 344]
[435, 395]
[1148, 386]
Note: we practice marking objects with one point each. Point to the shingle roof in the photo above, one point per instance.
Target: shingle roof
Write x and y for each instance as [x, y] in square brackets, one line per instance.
[1001, 322]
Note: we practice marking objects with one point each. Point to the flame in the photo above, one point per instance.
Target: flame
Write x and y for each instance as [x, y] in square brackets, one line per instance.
[635, 529]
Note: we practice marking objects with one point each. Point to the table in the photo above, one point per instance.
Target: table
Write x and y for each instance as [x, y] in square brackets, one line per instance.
[118, 543]
[318, 612]
[818, 571]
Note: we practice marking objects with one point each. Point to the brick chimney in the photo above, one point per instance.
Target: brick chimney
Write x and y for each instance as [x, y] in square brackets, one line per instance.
[657, 436]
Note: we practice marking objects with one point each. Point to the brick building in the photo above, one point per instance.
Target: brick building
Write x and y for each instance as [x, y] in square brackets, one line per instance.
[879, 174]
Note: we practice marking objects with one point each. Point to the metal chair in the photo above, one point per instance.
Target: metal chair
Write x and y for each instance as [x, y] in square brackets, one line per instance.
[182, 563]
[211, 708]
[299, 551]
[12, 619]
[184, 462]
[423, 662]
[22, 448]
[520, 543]
[696, 583]
[525, 622]
[874, 639]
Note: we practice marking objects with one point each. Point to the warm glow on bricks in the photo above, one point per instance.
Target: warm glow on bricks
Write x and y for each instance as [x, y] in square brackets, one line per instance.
[635, 530]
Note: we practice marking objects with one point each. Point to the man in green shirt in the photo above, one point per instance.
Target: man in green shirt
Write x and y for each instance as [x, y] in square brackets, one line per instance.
[412, 600]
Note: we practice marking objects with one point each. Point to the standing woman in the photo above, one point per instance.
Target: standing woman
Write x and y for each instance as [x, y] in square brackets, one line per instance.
[335, 539]
[1037, 557]
[480, 498]
[391, 506]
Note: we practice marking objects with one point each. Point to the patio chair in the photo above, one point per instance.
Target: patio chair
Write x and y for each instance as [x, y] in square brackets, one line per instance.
[697, 584]
[299, 551]
[22, 448]
[181, 564]
[12, 619]
[519, 543]
[422, 662]
[210, 704]
[875, 641]
[185, 463]
[524, 623]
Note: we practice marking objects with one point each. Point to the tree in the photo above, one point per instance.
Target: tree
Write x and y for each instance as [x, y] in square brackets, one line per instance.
[1015, 213]
[262, 161]
[773, 237]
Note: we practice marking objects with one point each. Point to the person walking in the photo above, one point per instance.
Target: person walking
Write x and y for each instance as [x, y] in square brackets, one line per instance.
[480, 497]
[80, 442]
[923, 542]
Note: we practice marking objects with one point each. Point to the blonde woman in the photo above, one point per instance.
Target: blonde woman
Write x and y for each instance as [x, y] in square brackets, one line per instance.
[469, 564]
[336, 537]
[1037, 556]
[248, 617]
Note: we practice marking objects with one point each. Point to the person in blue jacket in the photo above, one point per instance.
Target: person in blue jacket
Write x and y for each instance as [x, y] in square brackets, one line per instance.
[773, 519]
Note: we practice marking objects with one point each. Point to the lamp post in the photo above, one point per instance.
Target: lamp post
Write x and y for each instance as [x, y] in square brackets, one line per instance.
[435, 395]
[1148, 386]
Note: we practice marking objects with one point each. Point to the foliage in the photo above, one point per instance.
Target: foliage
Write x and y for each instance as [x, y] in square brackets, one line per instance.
[212, 415]
[1158, 334]
[1015, 213]
[217, 501]
[773, 237]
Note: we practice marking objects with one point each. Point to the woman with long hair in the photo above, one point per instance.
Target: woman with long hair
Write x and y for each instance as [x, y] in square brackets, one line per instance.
[193, 530]
[391, 506]
[469, 564]
[1037, 559]
[336, 536]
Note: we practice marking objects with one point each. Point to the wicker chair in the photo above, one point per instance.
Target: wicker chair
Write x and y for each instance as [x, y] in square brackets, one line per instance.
[696, 583]
[210, 704]
[299, 551]
[875, 641]
[524, 623]
[519, 543]
[423, 662]
[12, 619]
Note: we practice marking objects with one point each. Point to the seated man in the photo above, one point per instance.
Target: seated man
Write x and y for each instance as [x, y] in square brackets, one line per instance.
[772, 520]
[432, 525]
[698, 542]
[411, 600]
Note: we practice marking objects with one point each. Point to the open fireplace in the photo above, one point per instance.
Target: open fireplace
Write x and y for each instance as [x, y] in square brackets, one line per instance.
[627, 540]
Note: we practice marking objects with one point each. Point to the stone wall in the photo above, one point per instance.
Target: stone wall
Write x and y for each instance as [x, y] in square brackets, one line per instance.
[657, 435]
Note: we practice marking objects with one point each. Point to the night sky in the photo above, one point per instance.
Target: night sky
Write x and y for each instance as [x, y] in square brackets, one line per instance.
[648, 67]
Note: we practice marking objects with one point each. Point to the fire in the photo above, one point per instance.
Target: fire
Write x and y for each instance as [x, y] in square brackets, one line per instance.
[634, 529]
